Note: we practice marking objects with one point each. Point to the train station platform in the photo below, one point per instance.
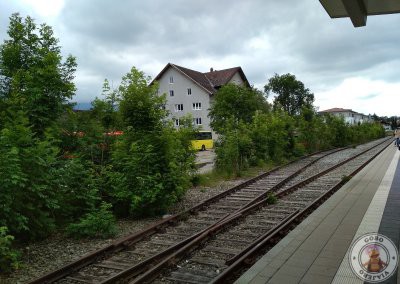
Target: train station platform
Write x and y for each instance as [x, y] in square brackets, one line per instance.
[317, 250]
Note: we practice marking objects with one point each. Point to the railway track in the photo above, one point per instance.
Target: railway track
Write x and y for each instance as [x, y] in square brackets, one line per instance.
[134, 255]
[222, 251]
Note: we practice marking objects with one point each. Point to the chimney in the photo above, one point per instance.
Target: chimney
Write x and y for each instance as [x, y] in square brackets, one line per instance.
[211, 69]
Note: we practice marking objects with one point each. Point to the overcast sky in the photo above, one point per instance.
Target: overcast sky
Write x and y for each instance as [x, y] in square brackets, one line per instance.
[343, 66]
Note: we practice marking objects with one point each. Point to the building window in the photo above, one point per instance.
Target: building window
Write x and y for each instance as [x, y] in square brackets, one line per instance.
[196, 106]
[178, 107]
[171, 93]
[197, 121]
[176, 122]
[171, 80]
[189, 91]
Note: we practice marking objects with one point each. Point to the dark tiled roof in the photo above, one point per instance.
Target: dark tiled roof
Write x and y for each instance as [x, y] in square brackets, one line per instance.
[210, 81]
[198, 77]
[337, 109]
[221, 77]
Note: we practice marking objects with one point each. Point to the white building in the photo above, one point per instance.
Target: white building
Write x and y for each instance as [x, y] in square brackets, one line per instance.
[350, 117]
[386, 126]
[190, 91]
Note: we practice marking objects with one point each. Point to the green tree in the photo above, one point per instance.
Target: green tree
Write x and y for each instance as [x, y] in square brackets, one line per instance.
[140, 106]
[235, 102]
[38, 190]
[340, 132]
[34, 78]
[27, 193]
[151, 161]
[104, 110]
[292, 95]
[234, 148]
[308, 130]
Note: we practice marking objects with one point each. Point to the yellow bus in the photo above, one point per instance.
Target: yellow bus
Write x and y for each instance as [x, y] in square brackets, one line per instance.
[203, 140]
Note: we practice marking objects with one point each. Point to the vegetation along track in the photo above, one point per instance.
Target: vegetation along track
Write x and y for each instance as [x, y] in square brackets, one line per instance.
[135, 254]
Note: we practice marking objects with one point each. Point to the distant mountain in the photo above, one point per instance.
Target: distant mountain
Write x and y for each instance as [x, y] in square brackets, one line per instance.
[83, 106]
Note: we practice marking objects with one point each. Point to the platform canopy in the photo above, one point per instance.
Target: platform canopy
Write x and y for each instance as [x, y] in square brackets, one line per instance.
[358, 10]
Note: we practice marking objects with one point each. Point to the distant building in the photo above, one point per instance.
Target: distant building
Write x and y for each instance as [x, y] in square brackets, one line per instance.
[386, 126]
[350, 117]
[190, 91]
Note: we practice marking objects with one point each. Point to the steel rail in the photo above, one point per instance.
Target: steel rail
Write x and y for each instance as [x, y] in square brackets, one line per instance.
[178, 255]
[246, 258]
[138, 268]
[127, 241]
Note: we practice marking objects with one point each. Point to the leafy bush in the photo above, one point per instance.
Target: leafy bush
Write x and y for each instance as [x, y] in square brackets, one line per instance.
[195, 180]
[233, 149]
[8, 256]
[27, 195]
[98, 224]
[77, 188]
[151, 162]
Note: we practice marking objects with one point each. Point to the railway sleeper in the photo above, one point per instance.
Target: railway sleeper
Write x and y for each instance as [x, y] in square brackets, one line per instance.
[216, 214]
[231, 245]
[292, 207]
[112, 265]
[262, 186]
[168, 238]
[305, 194]
[227, 207]
[244, 194]
[208, 261]
[189, 276]
[246, 236]
[259, 228]
[292, 203]
[208, 217]
[235, 203]
[145, 251]
[179, 234]
[241, 241]
[86, 277]
[165, 242]
[230, 251]
[264, 222]
[274, 210]
[240, 198]
[200, 222]
[185, 230]
[265, 215]
[81, 279]
[253, 190]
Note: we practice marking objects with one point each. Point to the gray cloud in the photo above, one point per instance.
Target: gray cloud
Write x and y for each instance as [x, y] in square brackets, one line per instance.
[264, 37]
[368, 97]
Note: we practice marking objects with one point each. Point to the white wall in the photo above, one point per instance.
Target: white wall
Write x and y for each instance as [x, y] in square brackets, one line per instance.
[351, 117]
[236, 79]
[180, 86]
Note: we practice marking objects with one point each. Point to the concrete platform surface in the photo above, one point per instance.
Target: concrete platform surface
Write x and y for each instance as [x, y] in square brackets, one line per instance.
[317, 250]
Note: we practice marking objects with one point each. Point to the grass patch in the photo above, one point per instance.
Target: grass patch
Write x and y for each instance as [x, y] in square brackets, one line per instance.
[271, 199]
[346, 178]
[208, 179]
[215, 177]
